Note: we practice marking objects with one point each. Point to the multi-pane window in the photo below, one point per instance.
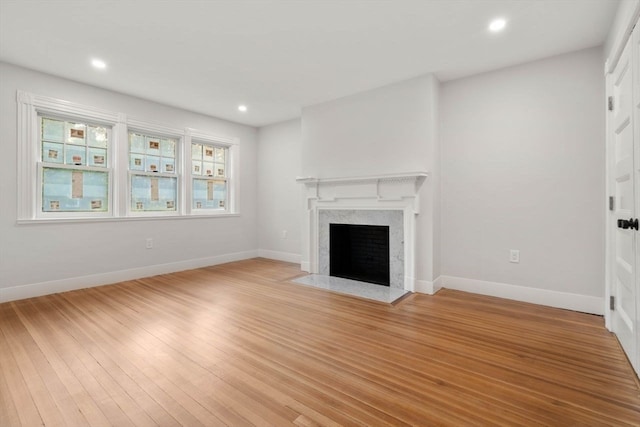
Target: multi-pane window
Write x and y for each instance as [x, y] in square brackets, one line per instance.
[79, 162]
[153, 173]
[209, 185]
[73, 166]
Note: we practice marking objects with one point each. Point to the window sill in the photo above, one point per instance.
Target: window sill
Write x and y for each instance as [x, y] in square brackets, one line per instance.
[121, 219]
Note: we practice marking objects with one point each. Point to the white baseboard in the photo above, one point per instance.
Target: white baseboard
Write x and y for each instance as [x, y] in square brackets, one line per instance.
[569, 301]
[427, 287]
[305, 266]
[423, 286]
[280, 256]
[437, 284]
[409, 284]
[73, 283]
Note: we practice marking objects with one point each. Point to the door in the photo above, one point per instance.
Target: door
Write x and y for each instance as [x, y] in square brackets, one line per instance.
[624, 281]
[636, 144]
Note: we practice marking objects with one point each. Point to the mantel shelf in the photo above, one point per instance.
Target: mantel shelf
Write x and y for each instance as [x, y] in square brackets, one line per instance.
[408, 176]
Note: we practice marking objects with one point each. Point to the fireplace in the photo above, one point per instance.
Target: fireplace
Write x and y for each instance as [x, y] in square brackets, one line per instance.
[391, 220]
[387, 200]
[359, 252]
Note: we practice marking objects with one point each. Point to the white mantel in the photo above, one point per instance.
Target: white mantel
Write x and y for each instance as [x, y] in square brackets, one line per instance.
[382, 192]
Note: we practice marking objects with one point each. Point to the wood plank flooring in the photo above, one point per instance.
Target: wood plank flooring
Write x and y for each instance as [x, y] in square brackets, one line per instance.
[237, 344]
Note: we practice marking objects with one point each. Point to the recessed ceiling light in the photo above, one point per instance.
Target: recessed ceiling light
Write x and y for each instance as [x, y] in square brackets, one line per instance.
[242, 108]
[99, 63]
[497, 25]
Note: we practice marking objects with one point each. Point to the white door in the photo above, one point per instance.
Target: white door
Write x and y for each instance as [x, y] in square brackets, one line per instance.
[624, 236]
[636, 144]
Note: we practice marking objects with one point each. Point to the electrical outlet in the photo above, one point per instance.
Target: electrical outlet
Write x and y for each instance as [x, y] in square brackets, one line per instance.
[284, 234]
[149, 243]
[514, 255]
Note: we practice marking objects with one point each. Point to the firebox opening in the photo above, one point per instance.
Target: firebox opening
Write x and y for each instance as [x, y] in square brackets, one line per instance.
[359, 252]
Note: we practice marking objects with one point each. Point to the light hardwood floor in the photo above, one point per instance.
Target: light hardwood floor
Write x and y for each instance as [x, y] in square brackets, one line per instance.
[237, 344]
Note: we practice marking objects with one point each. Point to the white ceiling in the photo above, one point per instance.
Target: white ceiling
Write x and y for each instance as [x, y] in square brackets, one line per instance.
[277, 56]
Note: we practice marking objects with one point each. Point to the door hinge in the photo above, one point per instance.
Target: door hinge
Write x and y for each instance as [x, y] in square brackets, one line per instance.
[612, 203]
[612, 302]
[610, 103]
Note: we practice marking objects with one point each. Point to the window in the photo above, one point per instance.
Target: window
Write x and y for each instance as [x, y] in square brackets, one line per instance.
[73, 166]
[209, 176]
[79, 163]
[153, 173]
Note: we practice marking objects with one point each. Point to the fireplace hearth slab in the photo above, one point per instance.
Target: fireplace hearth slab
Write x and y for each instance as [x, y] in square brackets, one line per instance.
[352, 287]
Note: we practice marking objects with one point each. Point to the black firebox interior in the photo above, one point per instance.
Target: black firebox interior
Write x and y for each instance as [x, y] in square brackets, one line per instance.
[359, 252]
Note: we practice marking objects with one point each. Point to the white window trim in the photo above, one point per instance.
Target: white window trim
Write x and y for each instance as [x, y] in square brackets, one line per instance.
[41, 165]
[193, 136]
[29, 209]
[30, 107]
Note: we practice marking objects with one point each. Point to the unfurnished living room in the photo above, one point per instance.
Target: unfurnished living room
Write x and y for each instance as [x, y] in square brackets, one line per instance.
[319, 213]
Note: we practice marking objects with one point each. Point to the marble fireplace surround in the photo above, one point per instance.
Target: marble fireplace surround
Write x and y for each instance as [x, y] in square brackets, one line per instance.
[376, 200]
[391, 218]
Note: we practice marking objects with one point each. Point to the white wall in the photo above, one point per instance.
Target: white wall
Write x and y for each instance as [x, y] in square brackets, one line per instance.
[381, 131]
[388, 130]
[279, 195]
[50, 256]
[523, 168]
